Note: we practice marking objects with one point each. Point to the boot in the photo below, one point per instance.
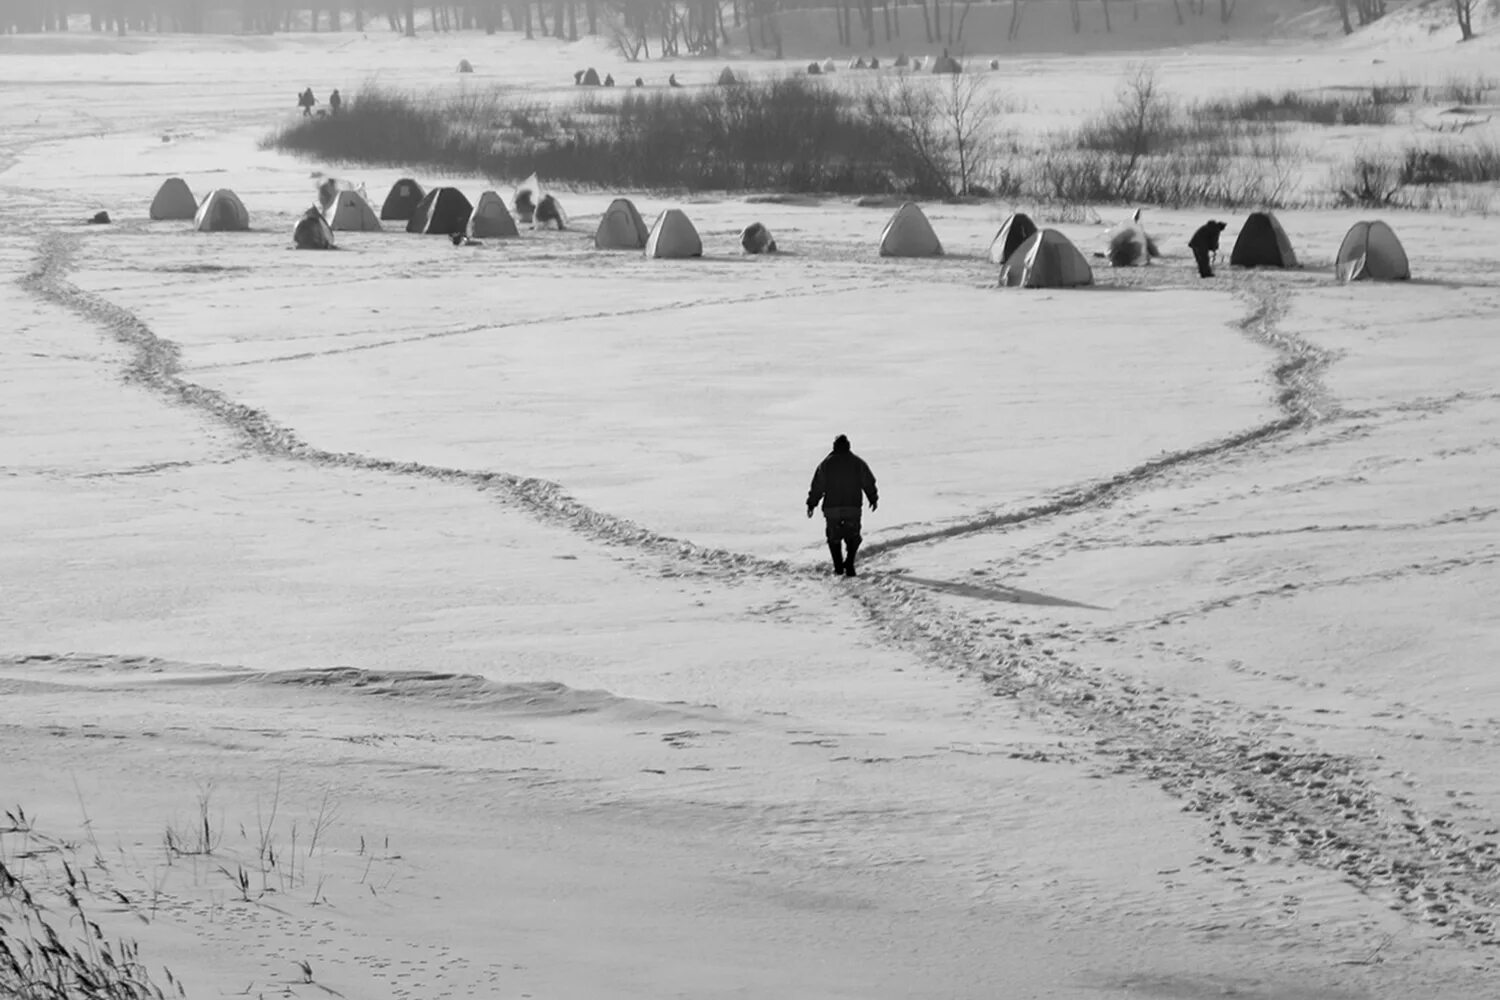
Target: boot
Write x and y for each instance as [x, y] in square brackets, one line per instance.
[837, 550]
[849, 562]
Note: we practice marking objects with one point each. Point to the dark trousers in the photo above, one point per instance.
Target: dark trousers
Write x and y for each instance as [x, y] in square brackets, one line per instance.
[1205, 269]
[841, 528]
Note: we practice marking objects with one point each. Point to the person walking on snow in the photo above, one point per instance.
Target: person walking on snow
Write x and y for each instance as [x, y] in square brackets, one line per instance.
[840, 482]
[305, 101]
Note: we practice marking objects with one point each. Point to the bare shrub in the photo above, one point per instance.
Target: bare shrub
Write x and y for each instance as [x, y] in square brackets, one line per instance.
[1369, 180]
[1290, 106]
[1463, 89]
[51, 947]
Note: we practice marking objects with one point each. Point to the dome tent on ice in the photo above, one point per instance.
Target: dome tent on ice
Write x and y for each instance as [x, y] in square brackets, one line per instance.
[1372, 252]
[173, 200]
[674, 235]
[491, 219]
[1047, 259]
[1262, 243]
[404, 197]
[444, 211]
[909, 234]
[221, 211]
[1013, 232]
[621, 227]
[351, 213]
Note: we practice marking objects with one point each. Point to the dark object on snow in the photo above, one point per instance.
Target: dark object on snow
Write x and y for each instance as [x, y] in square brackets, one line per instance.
[578, 78]
[312, 232]
[757, 239]
[672, 81]
[549, 209]
[813, 69]
[464, 66]
[639, 82]
[841, 482]
[525, 206]
[1205, 246]
[403, 199]
[874, 62]
[609, 79]
[901, 61]
[591, 77]
[335, 101]
[100, 219]
[443, 212]
[305, 101]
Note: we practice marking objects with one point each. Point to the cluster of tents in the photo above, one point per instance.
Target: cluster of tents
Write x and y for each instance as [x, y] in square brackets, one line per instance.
[938, 64]
[1027, 255]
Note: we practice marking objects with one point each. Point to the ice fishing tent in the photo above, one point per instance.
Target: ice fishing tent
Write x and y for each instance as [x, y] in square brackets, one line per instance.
[621, 227]
[444, 211]
[829, 66]
[1013, 232]
[312, 232]
[1262, 243]
[173, 200]
[1047, 259]
[221, 211]
[491, 219]
[727, 77]
[1371, 251]
[909, 234]
[351, 213]
[404, 197]
[673, 236]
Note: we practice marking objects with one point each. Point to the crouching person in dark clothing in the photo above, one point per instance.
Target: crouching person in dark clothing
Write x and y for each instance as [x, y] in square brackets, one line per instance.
[1205, 246]
[841, 482]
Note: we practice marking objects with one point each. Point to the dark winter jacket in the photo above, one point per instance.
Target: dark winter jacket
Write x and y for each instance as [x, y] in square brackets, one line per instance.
[839, 481]
[1207, 236]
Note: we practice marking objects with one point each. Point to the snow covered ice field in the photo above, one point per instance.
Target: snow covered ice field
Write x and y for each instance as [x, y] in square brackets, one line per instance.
[1171, 675]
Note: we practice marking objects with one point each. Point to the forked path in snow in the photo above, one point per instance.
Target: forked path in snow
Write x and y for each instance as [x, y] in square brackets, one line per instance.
[1261, 793]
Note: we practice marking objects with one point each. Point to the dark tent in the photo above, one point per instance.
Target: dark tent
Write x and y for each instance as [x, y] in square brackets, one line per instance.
[444, 211]
[406, 194]
[1262, 243]
[591, 77]
[1015, 231]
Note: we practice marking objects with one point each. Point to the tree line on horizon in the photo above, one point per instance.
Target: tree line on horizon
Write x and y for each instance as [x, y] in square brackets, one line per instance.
[674, 27]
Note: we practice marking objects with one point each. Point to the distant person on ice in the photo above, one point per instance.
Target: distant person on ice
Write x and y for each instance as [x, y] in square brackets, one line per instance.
[335, 101]
[839, 482]
[305, 101]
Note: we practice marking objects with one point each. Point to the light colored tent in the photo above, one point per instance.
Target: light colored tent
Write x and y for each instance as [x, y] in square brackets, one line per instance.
[491, 219]
[351, 213]
[673, 236]
[312, 232]
[829, 66]
[1013, 232]
[1262, 243]
[221, 211]
[1371, 251]
[1128, 245]
[1047, 259]
[909, 234]
[173, 200]
[621, 227]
